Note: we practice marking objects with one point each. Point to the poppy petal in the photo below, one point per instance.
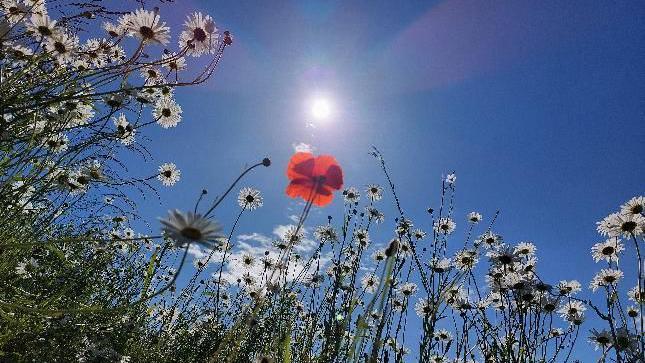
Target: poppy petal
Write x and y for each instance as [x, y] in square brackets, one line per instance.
[300, 165]
[322, 200]
[323, 163]
[334, 177]
[300, 188]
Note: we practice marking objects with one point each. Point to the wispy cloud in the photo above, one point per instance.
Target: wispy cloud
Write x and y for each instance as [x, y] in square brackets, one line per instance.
[303, 147]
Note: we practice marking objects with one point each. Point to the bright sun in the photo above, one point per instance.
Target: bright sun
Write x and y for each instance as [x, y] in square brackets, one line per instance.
[321, 108]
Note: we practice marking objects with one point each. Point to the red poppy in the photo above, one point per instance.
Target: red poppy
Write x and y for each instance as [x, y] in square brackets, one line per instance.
[314, 178]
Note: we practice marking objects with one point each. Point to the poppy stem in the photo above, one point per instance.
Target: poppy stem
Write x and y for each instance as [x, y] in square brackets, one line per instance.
[220, 199]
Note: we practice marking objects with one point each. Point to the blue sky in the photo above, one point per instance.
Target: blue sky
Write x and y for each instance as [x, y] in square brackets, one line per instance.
[537, 106]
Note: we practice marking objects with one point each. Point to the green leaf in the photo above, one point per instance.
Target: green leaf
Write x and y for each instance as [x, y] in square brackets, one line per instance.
[149, 272]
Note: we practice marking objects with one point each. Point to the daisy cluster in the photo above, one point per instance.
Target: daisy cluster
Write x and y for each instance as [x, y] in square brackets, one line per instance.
[622, 338]
[80, 83]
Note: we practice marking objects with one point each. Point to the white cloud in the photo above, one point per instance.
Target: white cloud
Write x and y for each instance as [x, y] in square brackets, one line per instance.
[256, 245]
[303, 147]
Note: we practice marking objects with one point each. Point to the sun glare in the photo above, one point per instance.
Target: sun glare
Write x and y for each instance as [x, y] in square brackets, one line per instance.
[321, 108]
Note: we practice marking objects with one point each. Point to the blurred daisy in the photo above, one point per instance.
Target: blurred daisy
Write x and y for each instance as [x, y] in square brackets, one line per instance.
[167, 113]
[57, 142]
[249, 198]
[293, 236]
[169, 174]
[325, 233]
[247, 260]
[199, 36]
[633, 311]
[474, 217]
[145, 25]
[370, 283]
[14, 10]
[607, 250]
[636, 296]
[124, 131]
[466, 259]
[569, 287]
[423, 307]
[186, 228]
[375, 215]
[378, 255]
[489, 240]
[374, 192]
[525, 249]
[42, 25]
[600, 339]
[404, 226]
[173, 62]
[419, 234]
[443, 335]
[351, 195]
[451, 178]
[440, 265]
[362, 238]
[408, 288]
[444, 226]
[113, 30]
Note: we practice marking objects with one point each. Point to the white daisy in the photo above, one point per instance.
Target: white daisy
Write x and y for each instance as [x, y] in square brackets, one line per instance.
[57, 143]
[124, 131]
[375, 215]
[378, 255]
[419, 234]
[445, 226]
[488, 240]
[466, 259]
[617, 224]
[42, 25]
[636, 296]
[14, 10]
[607, 250]
[249, 198]
[62, 47]
[525, 249]
[569, 287]
[173, 62]
[424, 307]
[145, 25]
[571, 309]
[167, 113]
[443, 335]
[293, 236]
[635, 205]
[408, 288]
[362, 238]
[440, 265]
[474, 217]
[186, 228]
[325, 233]
[606, 277]
[351, 195]
[168, 174]
[374, 192]
[600, 339]
[200, 35]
